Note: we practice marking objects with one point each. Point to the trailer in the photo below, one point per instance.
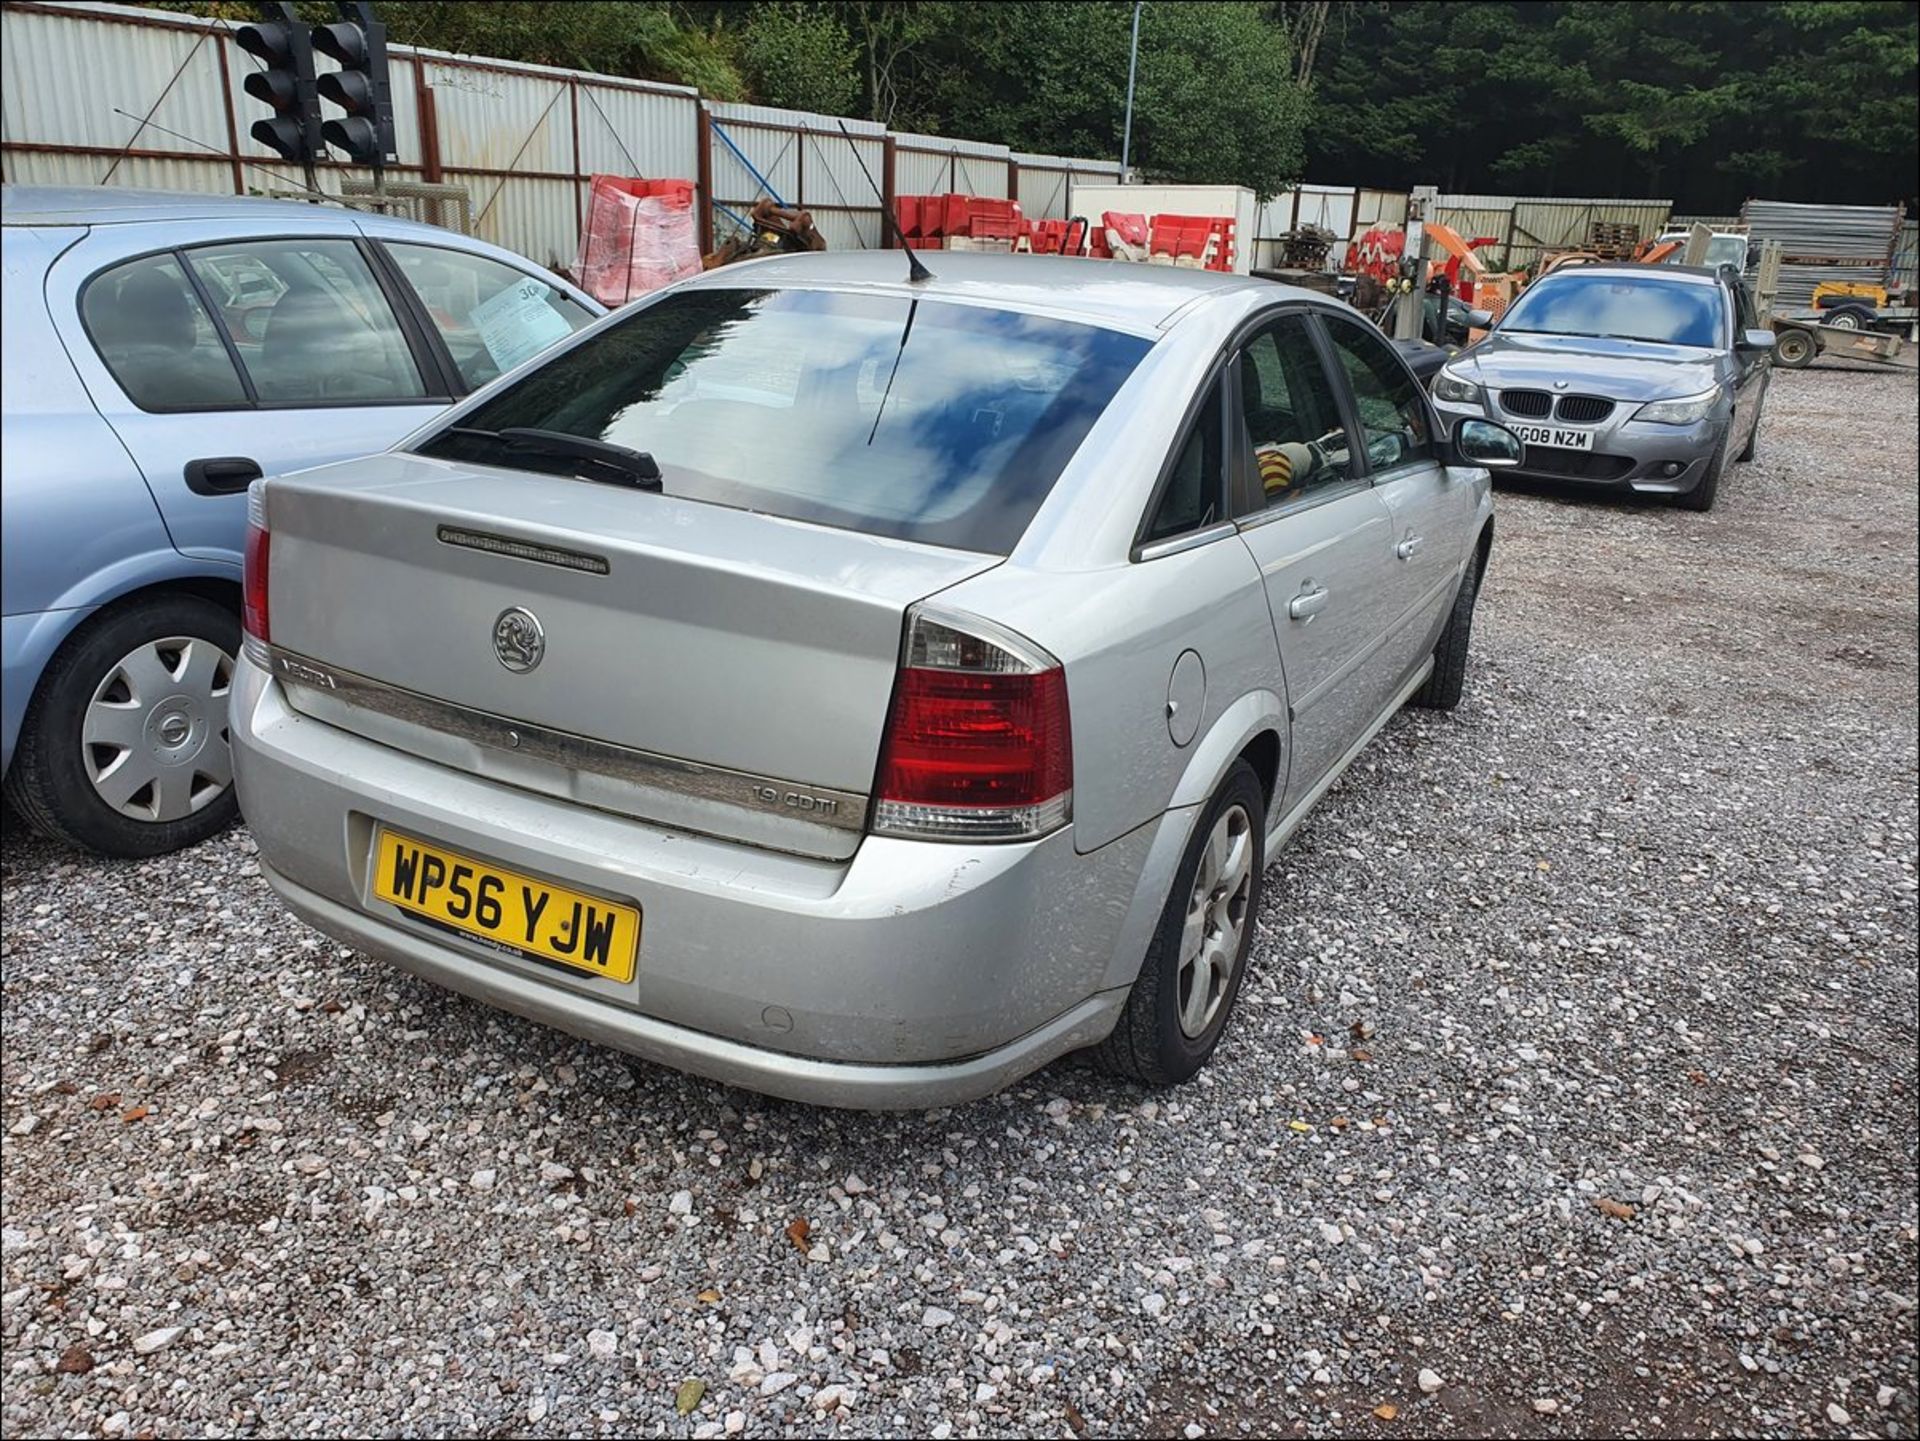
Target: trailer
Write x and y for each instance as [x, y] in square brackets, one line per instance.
[1799, 338]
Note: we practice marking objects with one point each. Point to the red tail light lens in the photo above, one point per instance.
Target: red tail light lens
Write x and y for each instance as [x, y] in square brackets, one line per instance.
[253, 617]
[978, 743]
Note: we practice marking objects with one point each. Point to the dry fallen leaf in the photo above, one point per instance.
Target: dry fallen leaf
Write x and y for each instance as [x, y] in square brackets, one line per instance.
[76, 1360]
[689, 1394]
[137, 1113]
[800, 1232]
[1619, 1210]
[1363, 1055]
[1699, 1078]
[1386, 1410]
[1339, 1123]
[105, 1101]
[709, 1296]
[1298, 1126]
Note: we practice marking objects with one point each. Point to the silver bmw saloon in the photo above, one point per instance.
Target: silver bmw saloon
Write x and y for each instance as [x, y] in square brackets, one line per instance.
[858, 688]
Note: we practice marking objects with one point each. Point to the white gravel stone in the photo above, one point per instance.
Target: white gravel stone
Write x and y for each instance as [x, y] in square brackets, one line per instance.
[1839, 1414]
[158, 1340]
[933, 1318]
[1626, 925]
[1429, 1380]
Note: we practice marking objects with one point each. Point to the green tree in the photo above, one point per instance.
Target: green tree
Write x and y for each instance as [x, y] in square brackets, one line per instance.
[1216, 97]
[1705, 104]
[800, 58]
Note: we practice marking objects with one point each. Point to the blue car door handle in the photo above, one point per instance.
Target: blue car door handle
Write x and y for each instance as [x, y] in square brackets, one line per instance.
[221, 475]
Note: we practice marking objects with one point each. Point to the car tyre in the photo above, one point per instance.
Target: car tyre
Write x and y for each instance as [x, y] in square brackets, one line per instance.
[120, 667]
[1168, 1028]
[1702, 496]
[1752, 448]
[1443, 688]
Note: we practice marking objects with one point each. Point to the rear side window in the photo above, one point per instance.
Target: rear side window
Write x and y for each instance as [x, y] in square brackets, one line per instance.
[1192, 497]
[917, 419]
[491, 316]
[157, 339]
[311, 323]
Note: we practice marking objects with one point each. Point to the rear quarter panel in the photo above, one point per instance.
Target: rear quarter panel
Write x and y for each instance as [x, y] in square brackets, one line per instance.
[1119, 631]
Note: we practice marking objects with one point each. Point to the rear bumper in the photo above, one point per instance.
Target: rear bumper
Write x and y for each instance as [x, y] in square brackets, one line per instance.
[914, 974]
[797, 1078]
[1626, 455]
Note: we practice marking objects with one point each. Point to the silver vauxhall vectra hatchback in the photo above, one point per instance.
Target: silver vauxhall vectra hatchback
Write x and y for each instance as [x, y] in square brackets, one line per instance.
[858, 688]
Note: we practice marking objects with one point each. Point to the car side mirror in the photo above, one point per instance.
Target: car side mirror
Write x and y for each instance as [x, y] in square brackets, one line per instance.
[1755, 340]
[1479, 319]
[1486, 443]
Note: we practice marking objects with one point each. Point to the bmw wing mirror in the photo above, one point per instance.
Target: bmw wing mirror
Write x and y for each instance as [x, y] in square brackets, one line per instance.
[1756, 340]
[1487, 443]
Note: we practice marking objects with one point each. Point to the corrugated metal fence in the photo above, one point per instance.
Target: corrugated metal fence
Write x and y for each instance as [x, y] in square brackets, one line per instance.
[163, 105]
[106, 94]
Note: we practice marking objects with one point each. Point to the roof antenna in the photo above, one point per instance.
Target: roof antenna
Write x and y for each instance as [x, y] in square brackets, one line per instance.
[916, 272]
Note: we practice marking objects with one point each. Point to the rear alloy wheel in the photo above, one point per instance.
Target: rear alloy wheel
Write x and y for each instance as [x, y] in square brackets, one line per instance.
[1180, 1002]
[125, 746]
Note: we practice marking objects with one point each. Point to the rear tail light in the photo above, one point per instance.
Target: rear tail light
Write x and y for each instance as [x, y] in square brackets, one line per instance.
[253, 616]
[978, 745]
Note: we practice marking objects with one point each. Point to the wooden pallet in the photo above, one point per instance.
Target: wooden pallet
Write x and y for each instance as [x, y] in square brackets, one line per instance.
[1614, 239]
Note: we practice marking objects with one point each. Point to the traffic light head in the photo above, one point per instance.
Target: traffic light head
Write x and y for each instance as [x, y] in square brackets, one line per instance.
[285, 83]
[359, 87]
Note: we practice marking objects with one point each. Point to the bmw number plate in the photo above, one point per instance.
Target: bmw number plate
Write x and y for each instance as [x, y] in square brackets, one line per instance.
[1559, 437]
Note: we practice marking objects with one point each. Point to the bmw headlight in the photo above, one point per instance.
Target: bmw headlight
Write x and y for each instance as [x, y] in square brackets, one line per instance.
[1448, 386]
[1681, 410]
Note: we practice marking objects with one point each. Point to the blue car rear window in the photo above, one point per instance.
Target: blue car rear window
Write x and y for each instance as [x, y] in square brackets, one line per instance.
[1621, 307]
[916, 419]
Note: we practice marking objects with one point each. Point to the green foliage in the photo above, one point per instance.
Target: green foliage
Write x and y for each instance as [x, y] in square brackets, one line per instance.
[1214, 100]
[1706, 104]
[801, 58]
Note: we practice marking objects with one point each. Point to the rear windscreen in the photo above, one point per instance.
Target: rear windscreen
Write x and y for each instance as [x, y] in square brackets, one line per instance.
[917, 419]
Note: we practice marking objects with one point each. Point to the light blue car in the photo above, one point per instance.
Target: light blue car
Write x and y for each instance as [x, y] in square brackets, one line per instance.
[161, 351]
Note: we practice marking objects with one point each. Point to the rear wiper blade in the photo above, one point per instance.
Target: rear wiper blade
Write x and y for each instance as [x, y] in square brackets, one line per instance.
[602, 459]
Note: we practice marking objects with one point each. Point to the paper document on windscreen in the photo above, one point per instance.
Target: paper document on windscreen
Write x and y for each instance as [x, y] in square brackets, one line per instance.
[517, 323]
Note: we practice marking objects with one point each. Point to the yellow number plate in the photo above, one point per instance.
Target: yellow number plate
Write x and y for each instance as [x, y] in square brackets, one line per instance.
[505, 909]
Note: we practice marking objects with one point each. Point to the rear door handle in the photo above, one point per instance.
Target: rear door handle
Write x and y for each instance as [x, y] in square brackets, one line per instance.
[1308, 604]
[221, 474]
[1407, 547]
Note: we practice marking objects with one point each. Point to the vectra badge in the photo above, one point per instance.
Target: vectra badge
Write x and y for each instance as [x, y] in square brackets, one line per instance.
[518, 641]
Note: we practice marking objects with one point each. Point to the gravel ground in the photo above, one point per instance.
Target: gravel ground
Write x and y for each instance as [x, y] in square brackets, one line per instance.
[1573, 1091]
